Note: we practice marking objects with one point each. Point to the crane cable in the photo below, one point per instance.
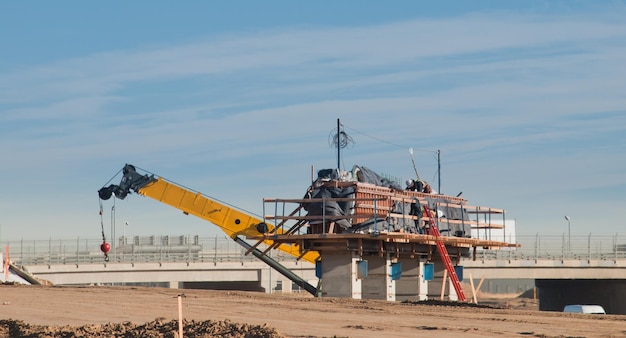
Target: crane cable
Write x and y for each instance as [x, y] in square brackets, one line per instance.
[414, 166]
[104, 247]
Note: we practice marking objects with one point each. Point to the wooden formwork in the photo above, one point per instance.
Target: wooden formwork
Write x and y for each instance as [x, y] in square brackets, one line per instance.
[371, 202]
[376, 201]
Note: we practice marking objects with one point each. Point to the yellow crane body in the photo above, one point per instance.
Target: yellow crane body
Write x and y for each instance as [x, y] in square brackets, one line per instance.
[231, 220]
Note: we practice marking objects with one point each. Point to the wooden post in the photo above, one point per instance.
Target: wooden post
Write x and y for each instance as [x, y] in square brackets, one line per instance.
[6, 263]
[482, 279]
[443, 283]
[473, 290]
[180, 316]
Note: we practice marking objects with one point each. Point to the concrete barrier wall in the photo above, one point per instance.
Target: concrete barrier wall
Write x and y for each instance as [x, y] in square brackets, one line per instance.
[176, 274]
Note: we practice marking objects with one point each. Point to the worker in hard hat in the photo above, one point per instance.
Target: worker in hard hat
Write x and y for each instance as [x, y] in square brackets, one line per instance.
[415, 210]
[415, 185]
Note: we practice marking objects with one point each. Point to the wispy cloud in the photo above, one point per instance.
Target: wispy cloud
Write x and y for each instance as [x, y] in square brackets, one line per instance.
[501, 93]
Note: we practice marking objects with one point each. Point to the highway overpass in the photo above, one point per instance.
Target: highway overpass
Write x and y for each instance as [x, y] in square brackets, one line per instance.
[593, 270]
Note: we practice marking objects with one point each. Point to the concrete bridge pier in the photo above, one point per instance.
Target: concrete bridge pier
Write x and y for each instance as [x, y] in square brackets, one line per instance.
[435, 285]
[345, 274]
[378, 284]
[272, 281]
[554, 294]
[340, 275]
[411, 286]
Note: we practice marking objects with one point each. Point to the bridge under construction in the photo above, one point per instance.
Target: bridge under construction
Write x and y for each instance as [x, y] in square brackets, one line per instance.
[361, 232]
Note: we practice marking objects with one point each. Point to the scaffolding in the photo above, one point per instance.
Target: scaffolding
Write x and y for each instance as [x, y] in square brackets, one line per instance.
[379, 219]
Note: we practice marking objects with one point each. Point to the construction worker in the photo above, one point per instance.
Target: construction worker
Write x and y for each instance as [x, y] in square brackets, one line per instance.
[415, 185]
[427, 188]
[419, 186]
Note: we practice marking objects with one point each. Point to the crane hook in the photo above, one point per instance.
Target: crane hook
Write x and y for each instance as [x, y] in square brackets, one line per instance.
[105, 248]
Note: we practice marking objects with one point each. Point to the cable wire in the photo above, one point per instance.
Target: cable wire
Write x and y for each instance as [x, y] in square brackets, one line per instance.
[385, 141]
[434, 152]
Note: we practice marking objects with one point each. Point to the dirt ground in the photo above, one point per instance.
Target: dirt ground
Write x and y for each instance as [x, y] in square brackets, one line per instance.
[51, 311]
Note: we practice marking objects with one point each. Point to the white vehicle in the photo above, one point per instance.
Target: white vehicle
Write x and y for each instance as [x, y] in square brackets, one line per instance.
[591, 309]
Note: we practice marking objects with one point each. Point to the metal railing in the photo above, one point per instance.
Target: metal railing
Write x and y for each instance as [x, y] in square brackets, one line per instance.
[562, 247]
[223, 249]
[133, 250]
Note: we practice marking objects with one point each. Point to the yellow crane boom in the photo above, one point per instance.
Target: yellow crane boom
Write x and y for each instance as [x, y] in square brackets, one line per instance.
[231, 220]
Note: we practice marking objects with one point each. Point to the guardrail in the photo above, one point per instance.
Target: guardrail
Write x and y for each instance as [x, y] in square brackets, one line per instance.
[560, 247]
[133, 250]
[223, 249]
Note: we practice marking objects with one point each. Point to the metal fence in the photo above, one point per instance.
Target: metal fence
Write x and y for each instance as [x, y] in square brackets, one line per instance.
[133, 250]
[561, 247]
[223, 249]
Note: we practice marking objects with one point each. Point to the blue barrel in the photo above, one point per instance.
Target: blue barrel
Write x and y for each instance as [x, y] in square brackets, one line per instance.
[429, 271]
[396, 271]
[361, 269]
[459, 272]
[318, 269]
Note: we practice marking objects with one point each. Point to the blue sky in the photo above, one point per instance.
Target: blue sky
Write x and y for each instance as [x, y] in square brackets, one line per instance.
[525, 100]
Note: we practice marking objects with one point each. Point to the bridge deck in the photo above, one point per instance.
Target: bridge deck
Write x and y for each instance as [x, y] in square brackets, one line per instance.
[397, 243]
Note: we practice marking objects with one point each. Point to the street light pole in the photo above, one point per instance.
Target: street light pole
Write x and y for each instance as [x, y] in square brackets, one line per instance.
[569, 234]
[124, 240]
[113, 245]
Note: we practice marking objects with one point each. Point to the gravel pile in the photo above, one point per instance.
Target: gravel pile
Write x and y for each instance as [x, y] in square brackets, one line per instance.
[158, 328]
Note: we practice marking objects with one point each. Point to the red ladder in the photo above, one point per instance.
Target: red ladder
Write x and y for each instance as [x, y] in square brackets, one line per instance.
[443, 252]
